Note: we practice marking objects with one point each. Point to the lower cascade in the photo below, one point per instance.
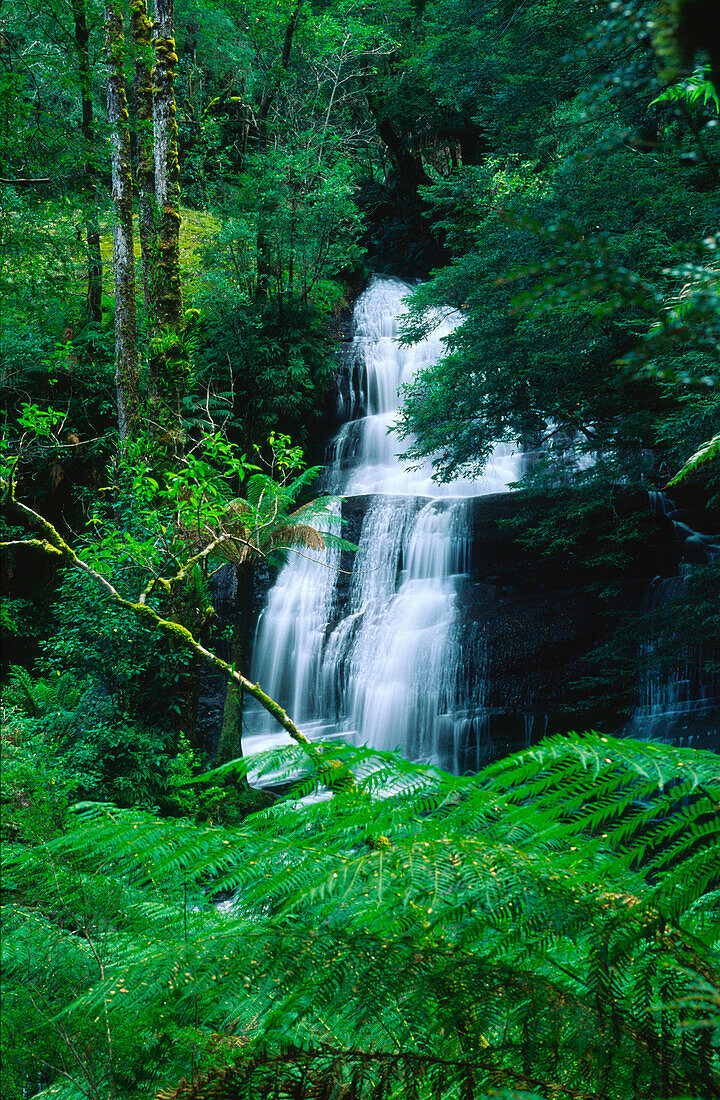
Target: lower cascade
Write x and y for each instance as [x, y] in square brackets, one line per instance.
[373, 650]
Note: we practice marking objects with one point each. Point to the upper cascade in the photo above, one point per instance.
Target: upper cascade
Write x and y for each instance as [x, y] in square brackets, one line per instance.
[364, 456]
[378, 657]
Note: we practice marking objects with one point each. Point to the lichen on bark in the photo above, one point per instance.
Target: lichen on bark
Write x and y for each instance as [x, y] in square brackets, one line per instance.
[169, 360]
[126, 367]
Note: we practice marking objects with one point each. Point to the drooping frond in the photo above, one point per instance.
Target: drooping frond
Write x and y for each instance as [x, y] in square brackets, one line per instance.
[263, 525]
[296, 1073]
[35, 696]
[705, 462]
[265, 493]
[299, 535]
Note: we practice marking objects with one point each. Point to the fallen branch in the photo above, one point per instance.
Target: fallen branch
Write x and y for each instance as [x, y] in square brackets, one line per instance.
[25, 179]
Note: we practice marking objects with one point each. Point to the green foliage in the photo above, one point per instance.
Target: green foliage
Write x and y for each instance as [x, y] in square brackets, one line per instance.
[57, 694]
[577, 263]
[175, 520]
[108, 708]
[40, 422]
[704, 460]
[547, 926]
[17, 619]
[41, 85]
[541, 346]
[297, 217]
[212, 798]
[695, 90]
[267, 367]
[506, 67]
[35, 792]
[195, 491]
[128, 663]
[88, 750]
[584, 268]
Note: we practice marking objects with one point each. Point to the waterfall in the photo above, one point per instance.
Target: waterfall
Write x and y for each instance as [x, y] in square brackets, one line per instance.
[379, 658]
[679, 684]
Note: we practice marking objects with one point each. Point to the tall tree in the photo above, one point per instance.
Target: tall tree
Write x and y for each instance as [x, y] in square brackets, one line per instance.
[168, 356]
[142, 36]
[264, 266]
[126, 366]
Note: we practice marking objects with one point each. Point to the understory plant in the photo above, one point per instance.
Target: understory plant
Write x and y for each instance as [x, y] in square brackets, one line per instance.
[169, 523]
[546, 928]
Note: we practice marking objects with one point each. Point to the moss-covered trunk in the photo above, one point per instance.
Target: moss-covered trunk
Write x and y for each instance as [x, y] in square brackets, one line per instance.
[230, 744]
[87, 126]
[126, 370]
[142, 36]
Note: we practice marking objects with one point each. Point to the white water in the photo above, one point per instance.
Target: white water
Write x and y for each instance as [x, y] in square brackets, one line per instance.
[382, 665]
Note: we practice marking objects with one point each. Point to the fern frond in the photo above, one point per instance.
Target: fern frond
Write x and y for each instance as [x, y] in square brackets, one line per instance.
[547, 905]
[298, 535]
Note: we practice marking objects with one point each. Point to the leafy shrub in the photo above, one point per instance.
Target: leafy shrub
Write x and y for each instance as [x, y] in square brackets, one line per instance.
[136, 670]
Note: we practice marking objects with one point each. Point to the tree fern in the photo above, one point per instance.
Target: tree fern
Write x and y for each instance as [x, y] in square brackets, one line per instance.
[548, 926]
[35, 696]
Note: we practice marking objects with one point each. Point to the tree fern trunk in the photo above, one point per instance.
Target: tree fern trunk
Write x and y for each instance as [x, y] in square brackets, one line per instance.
[230, 744]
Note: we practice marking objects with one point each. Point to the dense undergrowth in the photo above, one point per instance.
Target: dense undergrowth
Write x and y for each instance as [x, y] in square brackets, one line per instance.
[545, 928]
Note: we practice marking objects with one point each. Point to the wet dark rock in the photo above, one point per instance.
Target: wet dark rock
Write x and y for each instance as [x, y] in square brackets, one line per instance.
[528, 630]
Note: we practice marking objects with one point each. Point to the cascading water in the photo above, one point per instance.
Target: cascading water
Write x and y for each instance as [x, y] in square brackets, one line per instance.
[679, 685]
[378, 659]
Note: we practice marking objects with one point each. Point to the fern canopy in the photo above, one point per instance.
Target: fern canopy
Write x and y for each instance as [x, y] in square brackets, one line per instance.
[267, 524]
[546, 928]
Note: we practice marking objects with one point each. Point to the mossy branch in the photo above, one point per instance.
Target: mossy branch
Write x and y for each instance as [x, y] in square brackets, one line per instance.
[53, 543]
[32, 544]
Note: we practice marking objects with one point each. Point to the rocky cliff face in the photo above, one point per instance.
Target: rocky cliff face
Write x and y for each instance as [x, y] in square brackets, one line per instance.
[530, 637]
[536, 635]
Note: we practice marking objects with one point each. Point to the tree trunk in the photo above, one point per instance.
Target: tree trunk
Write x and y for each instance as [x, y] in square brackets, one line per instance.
[167, 170]
[187, 611]
[474, 146]
[190, 703]
[230, 744]
[142, 29]
[92, 229]
[262, 245]
[167, 359]
[126, 372]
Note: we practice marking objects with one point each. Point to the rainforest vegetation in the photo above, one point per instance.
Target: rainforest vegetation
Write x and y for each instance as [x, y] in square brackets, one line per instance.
[193, 194]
